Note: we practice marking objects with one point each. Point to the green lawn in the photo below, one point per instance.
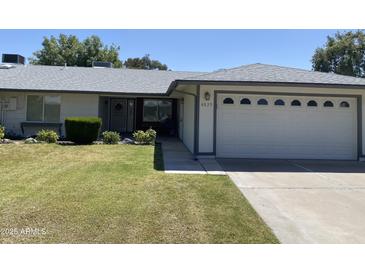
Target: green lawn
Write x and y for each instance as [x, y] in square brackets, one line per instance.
[116, 194]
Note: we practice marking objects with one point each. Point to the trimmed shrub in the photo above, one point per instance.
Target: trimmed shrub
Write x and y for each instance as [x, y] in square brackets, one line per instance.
[139, 137]
[151, 135]
[48, 136]
[147, 137]
[82, 130]
[110, 137]
[2, 132]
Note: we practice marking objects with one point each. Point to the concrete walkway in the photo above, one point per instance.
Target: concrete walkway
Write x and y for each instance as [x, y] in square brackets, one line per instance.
[179, 160]
[305, 201]
[212, 167]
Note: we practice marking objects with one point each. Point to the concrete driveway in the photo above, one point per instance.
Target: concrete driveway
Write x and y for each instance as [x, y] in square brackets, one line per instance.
[305, 201]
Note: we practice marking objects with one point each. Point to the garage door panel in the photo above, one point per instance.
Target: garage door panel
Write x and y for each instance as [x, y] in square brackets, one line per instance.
[291, 152]
[285, 131]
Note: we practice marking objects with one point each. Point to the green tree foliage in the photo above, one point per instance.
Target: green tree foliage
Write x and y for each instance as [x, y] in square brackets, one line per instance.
[68, 49]
[343, 54]
[144, 63]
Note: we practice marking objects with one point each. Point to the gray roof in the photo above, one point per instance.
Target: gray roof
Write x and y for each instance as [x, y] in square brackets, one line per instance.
[81, 79]
[107, 80]
[277, 74]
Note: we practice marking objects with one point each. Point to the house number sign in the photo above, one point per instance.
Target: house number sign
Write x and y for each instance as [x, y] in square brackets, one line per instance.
[206, 104]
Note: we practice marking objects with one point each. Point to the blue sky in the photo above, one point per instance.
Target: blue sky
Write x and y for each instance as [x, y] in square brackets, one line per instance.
[191, 50]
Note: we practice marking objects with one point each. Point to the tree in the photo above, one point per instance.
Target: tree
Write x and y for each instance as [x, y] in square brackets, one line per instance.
[144, 63]
[94, 50]
[343, 54]
[67, 49]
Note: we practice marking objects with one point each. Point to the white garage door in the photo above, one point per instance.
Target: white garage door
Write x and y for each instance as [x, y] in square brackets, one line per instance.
[286, 127]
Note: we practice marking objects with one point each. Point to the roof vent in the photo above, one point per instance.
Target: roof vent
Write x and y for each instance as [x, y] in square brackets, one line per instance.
[6, 66]
[13, 59]
[100, 64]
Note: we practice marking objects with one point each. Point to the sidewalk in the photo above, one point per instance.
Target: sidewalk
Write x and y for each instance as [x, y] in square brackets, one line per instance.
[179, 160]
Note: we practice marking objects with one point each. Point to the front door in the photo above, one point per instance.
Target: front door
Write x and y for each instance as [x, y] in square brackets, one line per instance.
[122, 115]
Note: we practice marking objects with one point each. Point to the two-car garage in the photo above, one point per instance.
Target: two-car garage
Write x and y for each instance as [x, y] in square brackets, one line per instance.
[281, 126]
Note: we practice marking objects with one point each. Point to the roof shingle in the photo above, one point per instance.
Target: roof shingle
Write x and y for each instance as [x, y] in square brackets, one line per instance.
[82, 79]
[107, 80]
[277, 74]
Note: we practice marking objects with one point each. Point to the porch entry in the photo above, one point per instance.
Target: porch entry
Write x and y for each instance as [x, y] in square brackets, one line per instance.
[122, 114]
[125, 114]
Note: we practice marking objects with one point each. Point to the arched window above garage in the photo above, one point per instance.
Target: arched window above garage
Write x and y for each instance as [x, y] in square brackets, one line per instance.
[245, 101]
[296, 103]
[328, 104]
[262, 102]
[312, 103]
[344, 104]
[228, 101]
[279, 102]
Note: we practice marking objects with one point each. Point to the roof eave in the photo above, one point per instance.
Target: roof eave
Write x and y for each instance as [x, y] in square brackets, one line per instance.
[85, 92]
[175, 83]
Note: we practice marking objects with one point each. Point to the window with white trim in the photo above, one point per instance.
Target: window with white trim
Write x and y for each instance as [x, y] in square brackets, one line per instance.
[42, 108]
[279, 102]
[262, 102]
[312, 103]
[245, 101]
[156, 110]
[344, 104]
[228, 101]
[328, 104]
[296, 103]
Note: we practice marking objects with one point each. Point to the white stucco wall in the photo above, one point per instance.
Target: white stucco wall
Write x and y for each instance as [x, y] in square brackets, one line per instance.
[79, 105]
[206, 112]
[188, 122]
[71, 105]
[206, 121]
[13, 118]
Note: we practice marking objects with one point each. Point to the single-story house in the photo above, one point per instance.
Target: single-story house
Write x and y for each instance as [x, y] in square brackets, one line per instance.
[251, 111]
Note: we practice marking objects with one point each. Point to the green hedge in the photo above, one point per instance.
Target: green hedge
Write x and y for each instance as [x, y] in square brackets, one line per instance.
[82, 130]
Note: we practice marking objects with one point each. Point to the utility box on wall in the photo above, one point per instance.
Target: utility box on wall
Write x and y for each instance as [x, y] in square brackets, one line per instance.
[8, 104]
